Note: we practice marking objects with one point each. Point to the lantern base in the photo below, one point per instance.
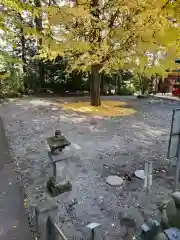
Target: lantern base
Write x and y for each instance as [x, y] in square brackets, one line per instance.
[56, 188]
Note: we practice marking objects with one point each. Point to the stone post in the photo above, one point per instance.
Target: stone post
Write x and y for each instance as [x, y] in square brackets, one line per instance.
[42, 212]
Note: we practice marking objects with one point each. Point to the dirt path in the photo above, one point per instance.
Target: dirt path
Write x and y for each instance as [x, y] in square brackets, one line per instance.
[113, 146]
[13, 220]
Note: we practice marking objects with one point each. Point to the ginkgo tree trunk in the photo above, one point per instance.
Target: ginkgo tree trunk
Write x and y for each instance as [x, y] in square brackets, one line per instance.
[95, 85]
[95, 80]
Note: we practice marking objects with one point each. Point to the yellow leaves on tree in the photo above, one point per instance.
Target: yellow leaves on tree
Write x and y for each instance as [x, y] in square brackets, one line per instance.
[115, 35]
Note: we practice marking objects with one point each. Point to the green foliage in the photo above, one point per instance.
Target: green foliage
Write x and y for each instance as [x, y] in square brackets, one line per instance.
[140, 83]
[126, 88]
[13, 81]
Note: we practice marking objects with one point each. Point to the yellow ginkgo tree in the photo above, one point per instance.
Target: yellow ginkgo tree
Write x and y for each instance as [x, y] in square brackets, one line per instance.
[111, 35]
[102, 35]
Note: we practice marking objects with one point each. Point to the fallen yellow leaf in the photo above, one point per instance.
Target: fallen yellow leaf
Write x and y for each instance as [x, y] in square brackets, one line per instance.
[107, 108]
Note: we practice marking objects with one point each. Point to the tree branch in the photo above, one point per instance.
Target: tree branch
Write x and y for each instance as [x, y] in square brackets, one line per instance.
[168, 1]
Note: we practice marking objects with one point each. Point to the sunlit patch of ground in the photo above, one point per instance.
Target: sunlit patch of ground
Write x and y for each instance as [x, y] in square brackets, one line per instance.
[107, 108]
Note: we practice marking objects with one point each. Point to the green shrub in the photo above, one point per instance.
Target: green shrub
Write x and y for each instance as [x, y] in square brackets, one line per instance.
[127, 89]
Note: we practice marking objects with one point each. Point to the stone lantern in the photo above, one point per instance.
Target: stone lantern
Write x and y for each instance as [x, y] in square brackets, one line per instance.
[60, 181]
[57, 142]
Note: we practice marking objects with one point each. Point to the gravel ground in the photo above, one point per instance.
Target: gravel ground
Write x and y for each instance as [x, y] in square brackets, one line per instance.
[114, 146]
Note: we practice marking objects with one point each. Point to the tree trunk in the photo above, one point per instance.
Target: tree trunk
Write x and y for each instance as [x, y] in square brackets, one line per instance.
[23, 49]
[102, 83]
[39, 27]
[141, 79]
[95, 39]
[23, 57]
[23, 53]
[143, 88]
[42, 74]
[95, 83]
[119, 82]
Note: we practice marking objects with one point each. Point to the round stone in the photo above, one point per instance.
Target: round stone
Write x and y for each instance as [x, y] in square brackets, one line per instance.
[114, 180]
[140, 174]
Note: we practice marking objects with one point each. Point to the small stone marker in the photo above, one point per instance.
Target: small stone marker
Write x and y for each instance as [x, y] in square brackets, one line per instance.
[114, 180]
[148, 175]
[140, 174]
[92, 227]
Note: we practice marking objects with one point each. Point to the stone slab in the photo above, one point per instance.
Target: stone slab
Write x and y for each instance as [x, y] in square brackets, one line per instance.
[46, 206]
[61, 156]
[139, 174]
[114, 180]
